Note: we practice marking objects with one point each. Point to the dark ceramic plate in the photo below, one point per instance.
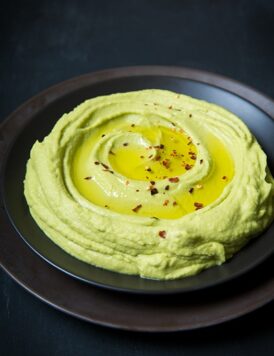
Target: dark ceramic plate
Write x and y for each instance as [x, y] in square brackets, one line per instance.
[35, 119]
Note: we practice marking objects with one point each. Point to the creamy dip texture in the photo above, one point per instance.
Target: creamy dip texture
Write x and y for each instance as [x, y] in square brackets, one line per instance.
[151, 183]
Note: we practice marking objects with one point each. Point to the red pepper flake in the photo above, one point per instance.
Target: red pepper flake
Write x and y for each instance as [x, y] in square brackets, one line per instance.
[88, 178]
[161, 146]
[166, 163]
[103, 135]
[188, 167]
[105, 166]
[189, 140]
[174, 203]
[194, 157]
[137, 208]
[142, 157]
[191, 190]
[107, 170]
[148, 169]
[132, 125]
[201, 161]
[198, 205]
[106, 206]
[174, 179]
[150, 156]
[170, 107]
[166, 202]
[167, 187]
[125, 144]
[162, 234]
[154, 191]
[224, 177]
[158, 158]
[96, 162]
[174, 153]
[190, 115]
[137, 190]
[152, 182]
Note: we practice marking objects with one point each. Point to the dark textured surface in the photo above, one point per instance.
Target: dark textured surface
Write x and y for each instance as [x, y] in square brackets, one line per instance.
[46, 42]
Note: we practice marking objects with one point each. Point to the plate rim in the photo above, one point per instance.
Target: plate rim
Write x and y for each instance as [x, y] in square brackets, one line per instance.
[243, 91]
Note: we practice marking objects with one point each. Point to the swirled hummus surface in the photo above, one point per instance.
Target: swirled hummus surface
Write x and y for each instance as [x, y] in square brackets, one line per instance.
[151, 183]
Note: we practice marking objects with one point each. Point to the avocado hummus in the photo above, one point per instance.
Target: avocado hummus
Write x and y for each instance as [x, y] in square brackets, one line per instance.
[151, 183]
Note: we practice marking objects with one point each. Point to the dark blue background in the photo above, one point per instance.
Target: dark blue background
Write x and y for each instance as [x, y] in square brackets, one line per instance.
[45, 42]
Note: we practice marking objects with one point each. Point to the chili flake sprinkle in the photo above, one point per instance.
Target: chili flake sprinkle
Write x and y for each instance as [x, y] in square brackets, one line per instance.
[162, 234]
[167, 187]
[125, 144]
[152, 182]
[108, 170]
[174, 203]
[103, 135]
[166, 202]
[201, 161]
[154, 191]
[174, 179]
[224, 177]
[188, 167]
[198, 205]
[191, 190]
[105, 166]
[132, 125]
[88, 178]
[96, 162]
[137, 208]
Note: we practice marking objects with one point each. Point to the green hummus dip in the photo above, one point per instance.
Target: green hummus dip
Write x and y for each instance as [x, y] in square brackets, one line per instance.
[151, 183]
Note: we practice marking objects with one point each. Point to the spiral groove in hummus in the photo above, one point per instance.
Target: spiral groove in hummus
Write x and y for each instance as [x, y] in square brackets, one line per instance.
[151, 183]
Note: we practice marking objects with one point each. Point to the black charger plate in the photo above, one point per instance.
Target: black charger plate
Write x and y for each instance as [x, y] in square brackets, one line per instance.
[35, 119]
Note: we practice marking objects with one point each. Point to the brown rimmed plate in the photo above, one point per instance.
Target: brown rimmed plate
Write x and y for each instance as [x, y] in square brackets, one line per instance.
[35, 119]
